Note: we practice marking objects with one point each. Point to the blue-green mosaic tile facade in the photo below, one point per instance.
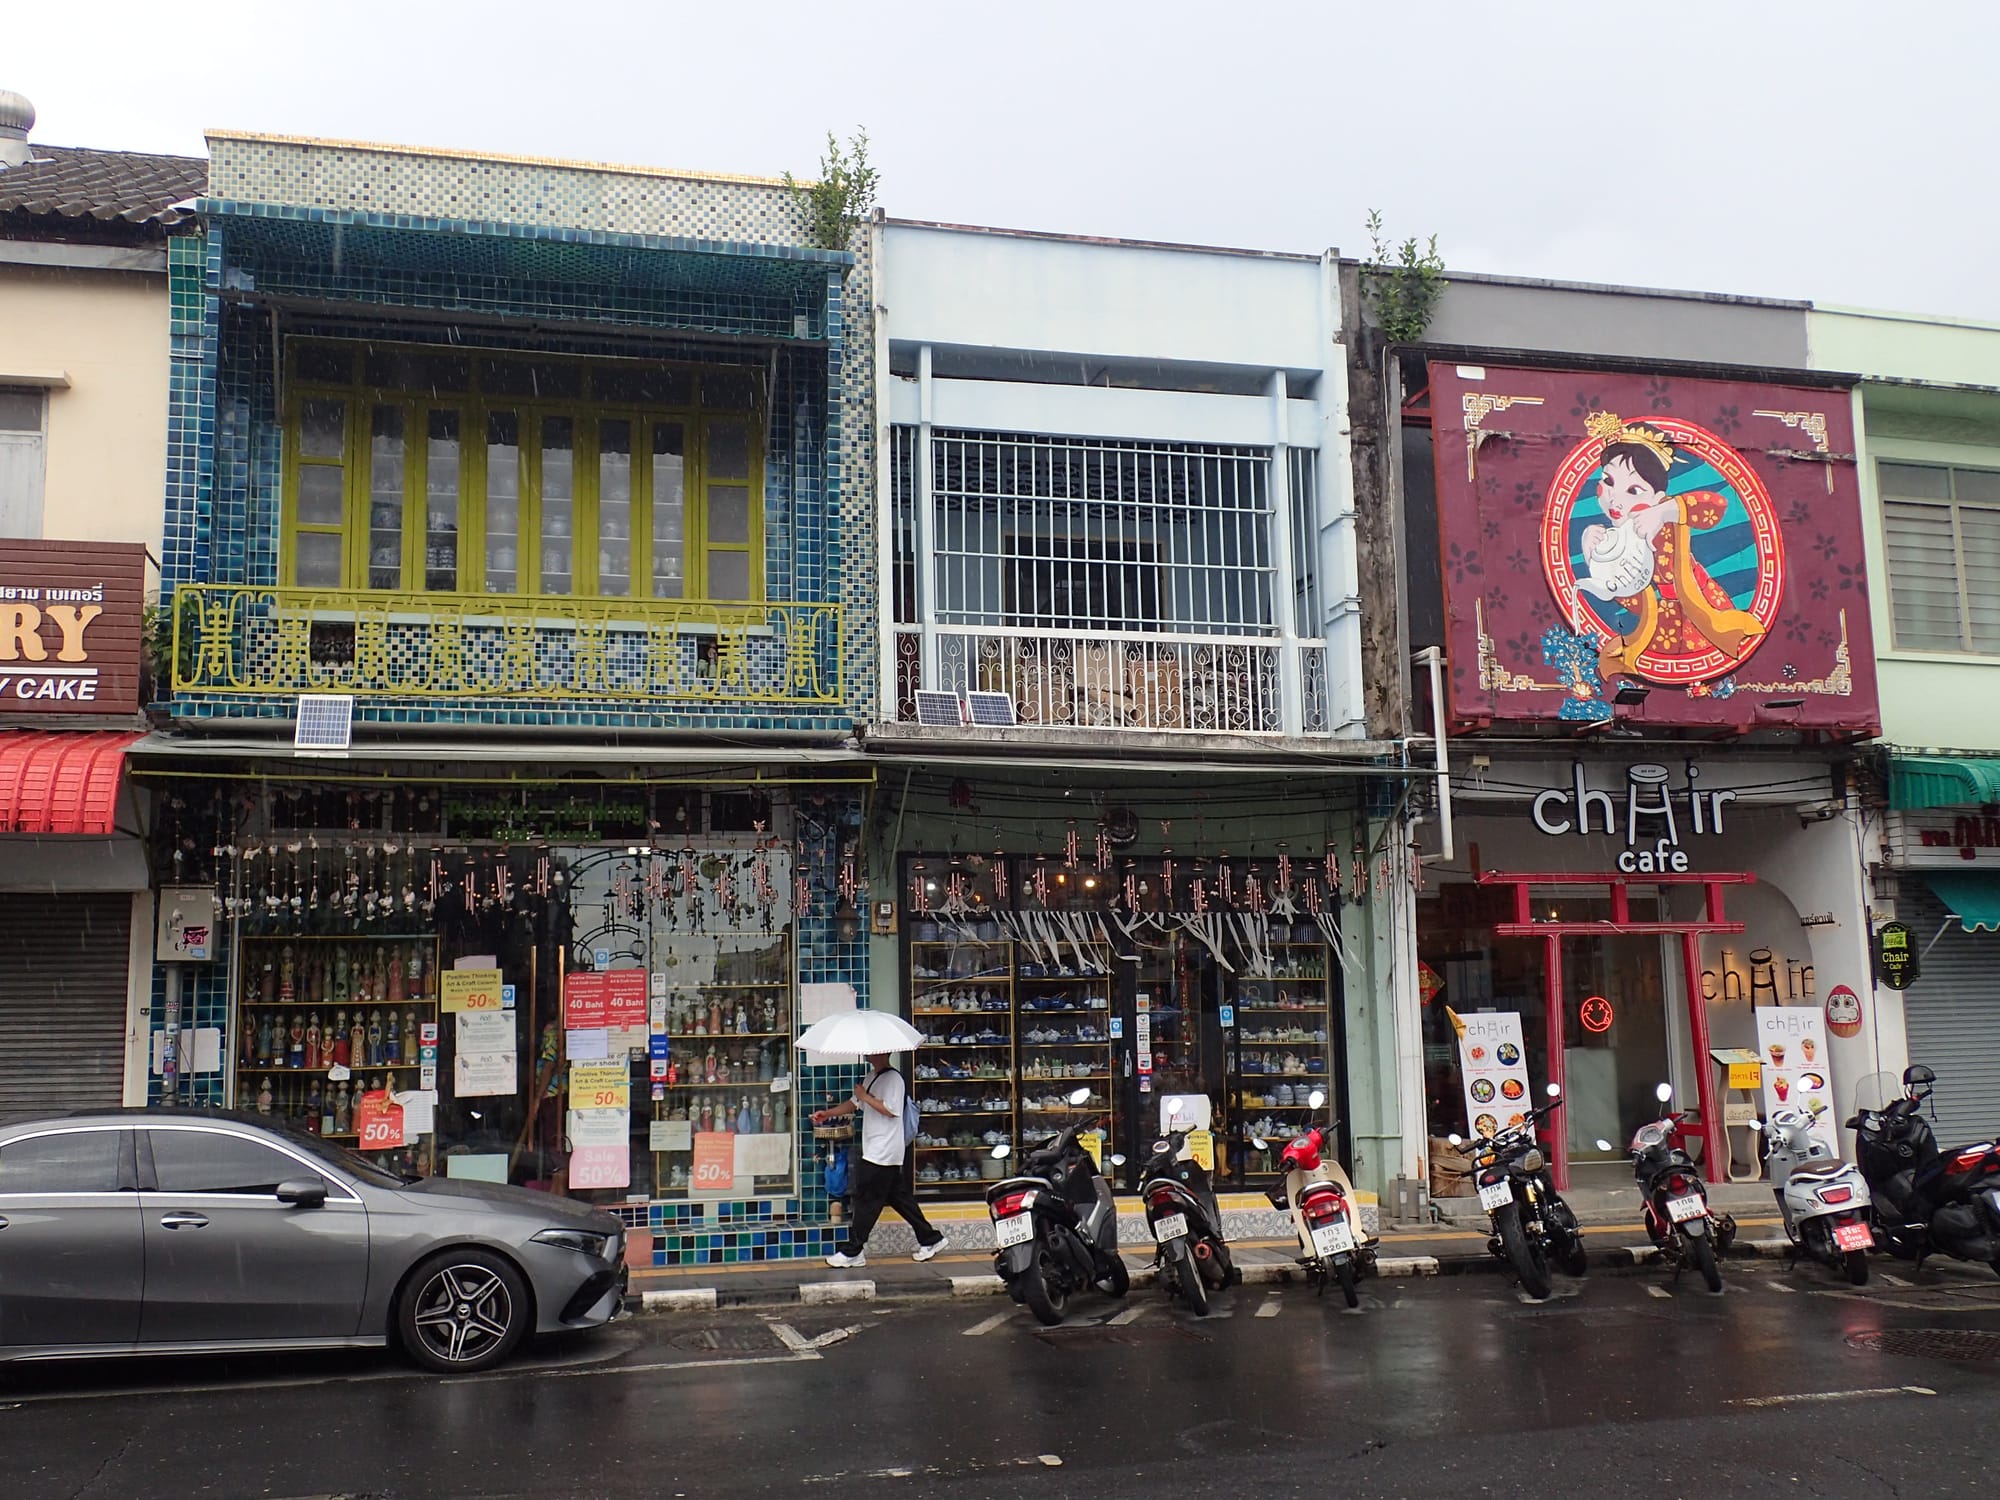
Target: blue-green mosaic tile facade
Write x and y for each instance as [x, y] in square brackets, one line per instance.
[366, 242]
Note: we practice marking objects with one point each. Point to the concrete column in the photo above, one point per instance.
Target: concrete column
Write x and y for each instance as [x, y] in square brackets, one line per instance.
[1284, 607]
[925, 524]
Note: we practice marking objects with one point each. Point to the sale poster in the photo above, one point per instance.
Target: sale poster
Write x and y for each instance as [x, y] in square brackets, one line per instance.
[469, 990]
[714, 1169]
[378, 1122]
[613, 998]
[1494, 1062]
[600, 1085]
[1791, 1046]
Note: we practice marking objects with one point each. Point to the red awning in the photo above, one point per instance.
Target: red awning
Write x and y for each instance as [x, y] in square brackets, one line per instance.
[61, 782]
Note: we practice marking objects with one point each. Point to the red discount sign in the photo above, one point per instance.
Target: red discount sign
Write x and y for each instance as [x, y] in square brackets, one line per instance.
[615, 998]
[378, 1120]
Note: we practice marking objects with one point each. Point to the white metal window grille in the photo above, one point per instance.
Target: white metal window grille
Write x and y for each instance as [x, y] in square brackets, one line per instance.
[1085, 534]
[1942, 530]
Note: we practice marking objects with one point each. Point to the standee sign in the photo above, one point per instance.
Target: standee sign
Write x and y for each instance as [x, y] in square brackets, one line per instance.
[71, 622]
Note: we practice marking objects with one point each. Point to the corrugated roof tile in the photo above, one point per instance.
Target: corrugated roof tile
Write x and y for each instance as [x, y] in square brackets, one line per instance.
[73, 182]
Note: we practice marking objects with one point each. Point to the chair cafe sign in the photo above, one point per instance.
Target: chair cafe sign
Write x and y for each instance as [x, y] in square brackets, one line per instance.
[1648, 812]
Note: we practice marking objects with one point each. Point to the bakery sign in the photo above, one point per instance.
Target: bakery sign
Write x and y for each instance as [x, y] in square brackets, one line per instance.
[71, 627]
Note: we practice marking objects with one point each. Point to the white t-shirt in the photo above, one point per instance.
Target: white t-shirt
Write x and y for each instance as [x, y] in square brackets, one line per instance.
[882, 1135]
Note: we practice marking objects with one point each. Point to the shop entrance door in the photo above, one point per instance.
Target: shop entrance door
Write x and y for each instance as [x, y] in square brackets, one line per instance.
[1614, 1040]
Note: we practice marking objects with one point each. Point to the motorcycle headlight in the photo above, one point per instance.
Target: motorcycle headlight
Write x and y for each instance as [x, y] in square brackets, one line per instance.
[582, 1241]
[1533, 1160]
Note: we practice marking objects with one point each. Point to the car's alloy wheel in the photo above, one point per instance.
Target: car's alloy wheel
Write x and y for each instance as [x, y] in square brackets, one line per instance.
[463, 1312]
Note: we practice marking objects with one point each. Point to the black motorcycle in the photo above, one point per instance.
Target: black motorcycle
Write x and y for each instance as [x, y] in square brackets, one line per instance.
[1928, 1201]
[1181, 1210]
[1055, 1227]
[1679, 1221]
[1532, 1226]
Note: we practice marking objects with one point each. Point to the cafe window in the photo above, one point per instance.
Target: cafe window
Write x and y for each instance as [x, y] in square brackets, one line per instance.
[435, 471]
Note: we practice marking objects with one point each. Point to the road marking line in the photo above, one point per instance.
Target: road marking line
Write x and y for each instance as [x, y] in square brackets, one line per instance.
[1130, 1314]
[987, 1325]
[1894, 1280]
[1659, 1291]
[1779, 1286]
[1268, 1308]
[1802, 1397]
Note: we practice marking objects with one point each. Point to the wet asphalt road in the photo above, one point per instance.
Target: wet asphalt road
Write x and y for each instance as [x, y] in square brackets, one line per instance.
[1625, 1385]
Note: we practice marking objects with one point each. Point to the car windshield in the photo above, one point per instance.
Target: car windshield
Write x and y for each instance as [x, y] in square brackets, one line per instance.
[340, 1158]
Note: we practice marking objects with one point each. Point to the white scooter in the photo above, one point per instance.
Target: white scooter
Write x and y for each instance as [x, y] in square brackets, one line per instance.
[1325, 1215]
[1825, 1201]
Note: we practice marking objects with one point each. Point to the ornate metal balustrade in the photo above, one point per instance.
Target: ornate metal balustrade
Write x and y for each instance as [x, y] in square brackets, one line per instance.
[1119, 680]
[234, 638]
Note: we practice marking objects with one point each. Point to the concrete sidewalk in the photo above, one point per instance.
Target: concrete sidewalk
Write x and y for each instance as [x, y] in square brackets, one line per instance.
[965, 1267]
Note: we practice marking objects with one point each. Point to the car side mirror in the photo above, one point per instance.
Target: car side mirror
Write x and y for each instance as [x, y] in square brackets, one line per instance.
[304, 1193]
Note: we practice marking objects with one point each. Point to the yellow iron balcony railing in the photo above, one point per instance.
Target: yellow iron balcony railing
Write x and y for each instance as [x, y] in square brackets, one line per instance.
[240, 638]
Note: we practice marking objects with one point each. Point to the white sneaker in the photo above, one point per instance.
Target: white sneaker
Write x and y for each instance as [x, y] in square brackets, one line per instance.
[841, 1262]
[925, 1252]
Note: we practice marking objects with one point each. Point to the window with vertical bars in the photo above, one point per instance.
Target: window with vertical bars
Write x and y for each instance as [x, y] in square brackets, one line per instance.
[1088, 534]
[1941, 527]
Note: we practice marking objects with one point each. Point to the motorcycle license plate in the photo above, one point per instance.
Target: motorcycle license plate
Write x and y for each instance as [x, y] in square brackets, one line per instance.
[1693, 1206]
[1853, 1237]
[1333, 1239]
[1499, 1195]
[1169, 1226]
[1015, 1229]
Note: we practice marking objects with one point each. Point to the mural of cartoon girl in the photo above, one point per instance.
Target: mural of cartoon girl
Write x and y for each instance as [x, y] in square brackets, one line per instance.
[1644, 561]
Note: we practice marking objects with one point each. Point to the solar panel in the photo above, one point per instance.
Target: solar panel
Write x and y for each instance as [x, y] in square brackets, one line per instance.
[325, 722]
[991, 710]
[939, 710]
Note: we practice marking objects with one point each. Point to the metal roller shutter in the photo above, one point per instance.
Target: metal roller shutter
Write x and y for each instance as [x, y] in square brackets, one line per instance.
[1953, 1016]
[62, 1001]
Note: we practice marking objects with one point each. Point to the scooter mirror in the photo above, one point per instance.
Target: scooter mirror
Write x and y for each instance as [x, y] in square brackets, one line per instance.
[1455, 1139]
[1316, 1098]
[1555, 1091]
[1664, 1093]
[1079, 1096]
[1260, 1143]
[1755, 1124]
[1603, 1144]
[1116, 1158]
[1002, 1151]
[1173, 1109]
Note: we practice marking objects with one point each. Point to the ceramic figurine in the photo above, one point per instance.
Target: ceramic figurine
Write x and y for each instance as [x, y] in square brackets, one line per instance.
[342, 976]
[343, 1116]
[410, 1053]
[708, 1067]
[268, 983]
[264, 1098]
[396, 977]
[374, 1038]
[357, 1043]
[295, 1044]
[392, 1042]
[414, 973]
[312, 1109]
[783, 1110]
[746, 1123]
[312, 1044]
[336, 1042]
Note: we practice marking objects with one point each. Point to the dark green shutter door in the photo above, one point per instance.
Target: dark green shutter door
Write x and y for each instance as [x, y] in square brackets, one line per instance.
[62, 1002]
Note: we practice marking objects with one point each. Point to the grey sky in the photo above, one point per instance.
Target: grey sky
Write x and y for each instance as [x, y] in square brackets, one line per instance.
[1833, 150]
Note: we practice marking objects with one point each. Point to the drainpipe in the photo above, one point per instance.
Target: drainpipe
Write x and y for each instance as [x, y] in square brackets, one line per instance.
[1433, 658]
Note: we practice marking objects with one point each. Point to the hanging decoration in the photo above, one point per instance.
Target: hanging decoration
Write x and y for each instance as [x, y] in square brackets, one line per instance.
[1000, 891]
[1071, 846]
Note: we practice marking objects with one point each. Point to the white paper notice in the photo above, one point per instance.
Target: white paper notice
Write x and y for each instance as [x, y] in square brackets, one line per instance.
[599, 1127]
[419, 1112]
[624, 1039]
[782, 1084]
[473, 1074]
[670, 1135]
[818, 1001]
[763, 1155]
[590, 1045]
[476, 961]
[488, 1032]
[337, 1074]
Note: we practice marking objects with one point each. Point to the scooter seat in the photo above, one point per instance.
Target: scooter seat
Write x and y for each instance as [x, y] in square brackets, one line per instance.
[1817, 1170]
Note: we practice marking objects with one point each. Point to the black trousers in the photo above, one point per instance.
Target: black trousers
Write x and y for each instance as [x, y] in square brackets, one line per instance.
[876, 1188]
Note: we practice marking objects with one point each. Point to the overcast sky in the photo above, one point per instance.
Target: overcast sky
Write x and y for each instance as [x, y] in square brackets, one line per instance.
[1838, 151]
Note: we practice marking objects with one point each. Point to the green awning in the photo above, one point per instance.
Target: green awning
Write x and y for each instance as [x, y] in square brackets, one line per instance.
[1975, 899]
[1942, 781]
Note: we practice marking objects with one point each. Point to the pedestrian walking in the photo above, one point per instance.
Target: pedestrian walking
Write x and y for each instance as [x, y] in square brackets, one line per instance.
[882, 1178]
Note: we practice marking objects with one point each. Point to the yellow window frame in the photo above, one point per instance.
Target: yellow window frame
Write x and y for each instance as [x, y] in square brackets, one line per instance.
[474, 408]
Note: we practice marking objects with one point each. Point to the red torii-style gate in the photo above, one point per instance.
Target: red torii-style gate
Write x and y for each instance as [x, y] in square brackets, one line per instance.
[1622, 925]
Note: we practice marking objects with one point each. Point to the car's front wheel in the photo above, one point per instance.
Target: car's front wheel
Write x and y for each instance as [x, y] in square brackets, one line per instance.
[463, 1310]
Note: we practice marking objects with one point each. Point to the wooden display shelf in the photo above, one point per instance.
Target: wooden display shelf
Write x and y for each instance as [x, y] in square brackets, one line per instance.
[276, 1068]
[251, 1002]
[1248, 1076]
[730, 984]
[723, 1036]
[732, 1083]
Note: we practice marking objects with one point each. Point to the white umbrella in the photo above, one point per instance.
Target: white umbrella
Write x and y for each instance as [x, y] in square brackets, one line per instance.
[856, 1033]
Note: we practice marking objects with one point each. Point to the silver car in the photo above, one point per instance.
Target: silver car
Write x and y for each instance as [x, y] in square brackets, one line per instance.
[156, 1232]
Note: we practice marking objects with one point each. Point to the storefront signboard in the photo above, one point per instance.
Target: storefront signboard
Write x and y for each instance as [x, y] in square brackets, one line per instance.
[600, 1085]
[1896, 956]
[714, 1170]
[1791, 1046]
[616, 997]
[469, 989]
[186, 930]
[1644, 807]
[378, 1122]
[1646, 545]
[1494, 1061]
[71, 621]
[1942, 838]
